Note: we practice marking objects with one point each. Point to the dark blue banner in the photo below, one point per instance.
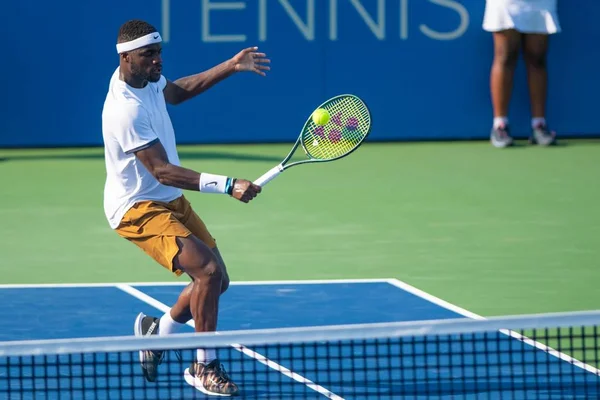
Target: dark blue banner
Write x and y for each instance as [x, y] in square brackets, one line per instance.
[421, 65]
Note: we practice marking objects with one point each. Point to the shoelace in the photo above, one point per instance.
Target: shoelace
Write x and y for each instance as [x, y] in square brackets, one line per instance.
[219, 372]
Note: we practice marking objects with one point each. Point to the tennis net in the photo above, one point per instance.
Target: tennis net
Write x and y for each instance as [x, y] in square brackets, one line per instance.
[529, 356]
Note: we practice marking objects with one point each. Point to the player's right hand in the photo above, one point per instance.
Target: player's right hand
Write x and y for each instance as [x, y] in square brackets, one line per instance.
[244, 190]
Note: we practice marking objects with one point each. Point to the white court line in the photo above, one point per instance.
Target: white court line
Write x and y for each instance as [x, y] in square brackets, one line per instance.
[179, 283]
[395, 282]
[459, 310]
[241, 348]
[432, 299]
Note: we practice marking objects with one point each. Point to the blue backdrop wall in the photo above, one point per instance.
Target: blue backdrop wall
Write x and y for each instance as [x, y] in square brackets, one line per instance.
[421, 65]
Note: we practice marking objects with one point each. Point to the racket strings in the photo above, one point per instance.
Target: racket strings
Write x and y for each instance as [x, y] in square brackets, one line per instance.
[348, 125]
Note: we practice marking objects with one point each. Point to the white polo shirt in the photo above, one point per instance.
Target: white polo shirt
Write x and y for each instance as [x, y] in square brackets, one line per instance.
[133, 119]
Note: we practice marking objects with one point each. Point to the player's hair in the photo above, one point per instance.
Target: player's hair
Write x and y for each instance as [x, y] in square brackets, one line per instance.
[134, 29]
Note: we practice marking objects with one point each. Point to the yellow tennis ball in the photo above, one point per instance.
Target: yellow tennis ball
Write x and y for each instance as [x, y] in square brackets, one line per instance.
[320, 116]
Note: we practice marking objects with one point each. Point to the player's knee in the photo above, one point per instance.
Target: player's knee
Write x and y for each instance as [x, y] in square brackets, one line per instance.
[212, 270]
[206, 273]
[506, 57]
[536, 59]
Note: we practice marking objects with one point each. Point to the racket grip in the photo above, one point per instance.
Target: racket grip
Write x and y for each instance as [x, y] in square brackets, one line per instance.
[269, 175]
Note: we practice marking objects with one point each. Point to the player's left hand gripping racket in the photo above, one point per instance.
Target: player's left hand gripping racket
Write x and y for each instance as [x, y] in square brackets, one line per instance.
[348, 126]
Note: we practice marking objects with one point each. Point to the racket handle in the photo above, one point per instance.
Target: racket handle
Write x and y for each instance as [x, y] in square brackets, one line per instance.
[269, 175]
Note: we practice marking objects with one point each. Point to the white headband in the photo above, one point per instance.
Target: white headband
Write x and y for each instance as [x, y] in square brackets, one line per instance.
[139, 42]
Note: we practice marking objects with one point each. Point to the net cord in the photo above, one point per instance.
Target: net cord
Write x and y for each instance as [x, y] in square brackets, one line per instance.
[257, 337]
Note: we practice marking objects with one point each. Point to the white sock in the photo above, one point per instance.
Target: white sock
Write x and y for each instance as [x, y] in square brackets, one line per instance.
[538, 121]
[500, 121]
[168, 325]
[206, 355]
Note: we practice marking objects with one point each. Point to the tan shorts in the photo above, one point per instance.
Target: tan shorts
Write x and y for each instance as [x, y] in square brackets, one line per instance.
[155, 226]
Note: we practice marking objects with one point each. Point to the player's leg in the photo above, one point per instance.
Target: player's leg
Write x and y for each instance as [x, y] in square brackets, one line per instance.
[200, 300]
[506, 54]
[180, 312]
[159, 230]
[535, 49]
[200, 262]
[153, 227]
[195, 224]
[197, 260]
[171, 322]
[206, 373]
[225, 281]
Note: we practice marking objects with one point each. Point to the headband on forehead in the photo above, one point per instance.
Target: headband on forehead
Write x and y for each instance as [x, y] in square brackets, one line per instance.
[151, 38]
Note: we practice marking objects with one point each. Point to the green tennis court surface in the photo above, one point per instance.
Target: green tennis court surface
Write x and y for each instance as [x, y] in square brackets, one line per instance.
[496, 232]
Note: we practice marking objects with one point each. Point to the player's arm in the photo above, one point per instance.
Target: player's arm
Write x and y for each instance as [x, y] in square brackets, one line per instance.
[188, 87]
[154, 158]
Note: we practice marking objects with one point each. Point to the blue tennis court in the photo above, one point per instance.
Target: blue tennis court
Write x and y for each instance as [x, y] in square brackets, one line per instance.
[82, 311]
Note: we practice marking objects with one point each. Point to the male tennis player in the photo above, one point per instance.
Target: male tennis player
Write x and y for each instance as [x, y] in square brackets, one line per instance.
[143, 199]
[517, 24]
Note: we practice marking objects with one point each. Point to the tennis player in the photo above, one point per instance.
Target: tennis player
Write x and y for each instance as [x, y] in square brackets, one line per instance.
[143, 198]
[517, 24]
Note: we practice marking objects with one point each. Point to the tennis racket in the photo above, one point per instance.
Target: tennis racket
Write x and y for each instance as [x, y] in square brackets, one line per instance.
[348, 126]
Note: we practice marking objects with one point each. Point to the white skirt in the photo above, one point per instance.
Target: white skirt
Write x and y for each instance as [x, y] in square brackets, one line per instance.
[525, 16]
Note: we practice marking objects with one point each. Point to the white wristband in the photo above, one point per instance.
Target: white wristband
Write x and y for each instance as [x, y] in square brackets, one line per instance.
[210, 183]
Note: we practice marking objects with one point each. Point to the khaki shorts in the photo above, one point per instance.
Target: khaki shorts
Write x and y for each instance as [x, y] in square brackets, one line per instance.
[155, 226]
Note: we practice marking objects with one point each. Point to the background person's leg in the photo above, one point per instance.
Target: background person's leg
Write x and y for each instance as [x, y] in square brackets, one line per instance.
[506, 54]
[535, 49]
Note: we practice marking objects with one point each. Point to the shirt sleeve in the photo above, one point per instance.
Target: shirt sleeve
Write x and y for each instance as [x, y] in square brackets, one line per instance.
[135, 131]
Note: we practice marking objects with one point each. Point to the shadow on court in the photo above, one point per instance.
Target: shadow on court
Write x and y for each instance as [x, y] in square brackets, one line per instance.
[183, 155]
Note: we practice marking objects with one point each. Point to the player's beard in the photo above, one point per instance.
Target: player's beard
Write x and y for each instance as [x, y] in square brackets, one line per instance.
[153, 78]
[143, 75]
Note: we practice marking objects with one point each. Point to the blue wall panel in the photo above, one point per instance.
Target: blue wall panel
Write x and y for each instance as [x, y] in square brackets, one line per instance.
[421, 65]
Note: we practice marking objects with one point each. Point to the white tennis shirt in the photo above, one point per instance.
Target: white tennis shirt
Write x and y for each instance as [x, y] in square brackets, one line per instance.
[133, 119]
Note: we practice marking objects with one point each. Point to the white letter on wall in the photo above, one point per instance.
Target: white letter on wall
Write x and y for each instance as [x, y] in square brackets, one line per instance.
[262, 20]
[307, 29]
[403, 19]
[333, 20]
[166, 20]
[207, 7]
[458, 32]
[378, 28]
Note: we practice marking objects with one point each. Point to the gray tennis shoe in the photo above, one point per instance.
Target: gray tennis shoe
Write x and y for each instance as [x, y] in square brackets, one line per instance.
[211, 379]
[500, 137]
[149, 359]
[540, 135]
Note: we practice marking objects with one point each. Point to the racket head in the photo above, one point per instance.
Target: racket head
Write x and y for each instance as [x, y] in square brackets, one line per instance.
[348, 126]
